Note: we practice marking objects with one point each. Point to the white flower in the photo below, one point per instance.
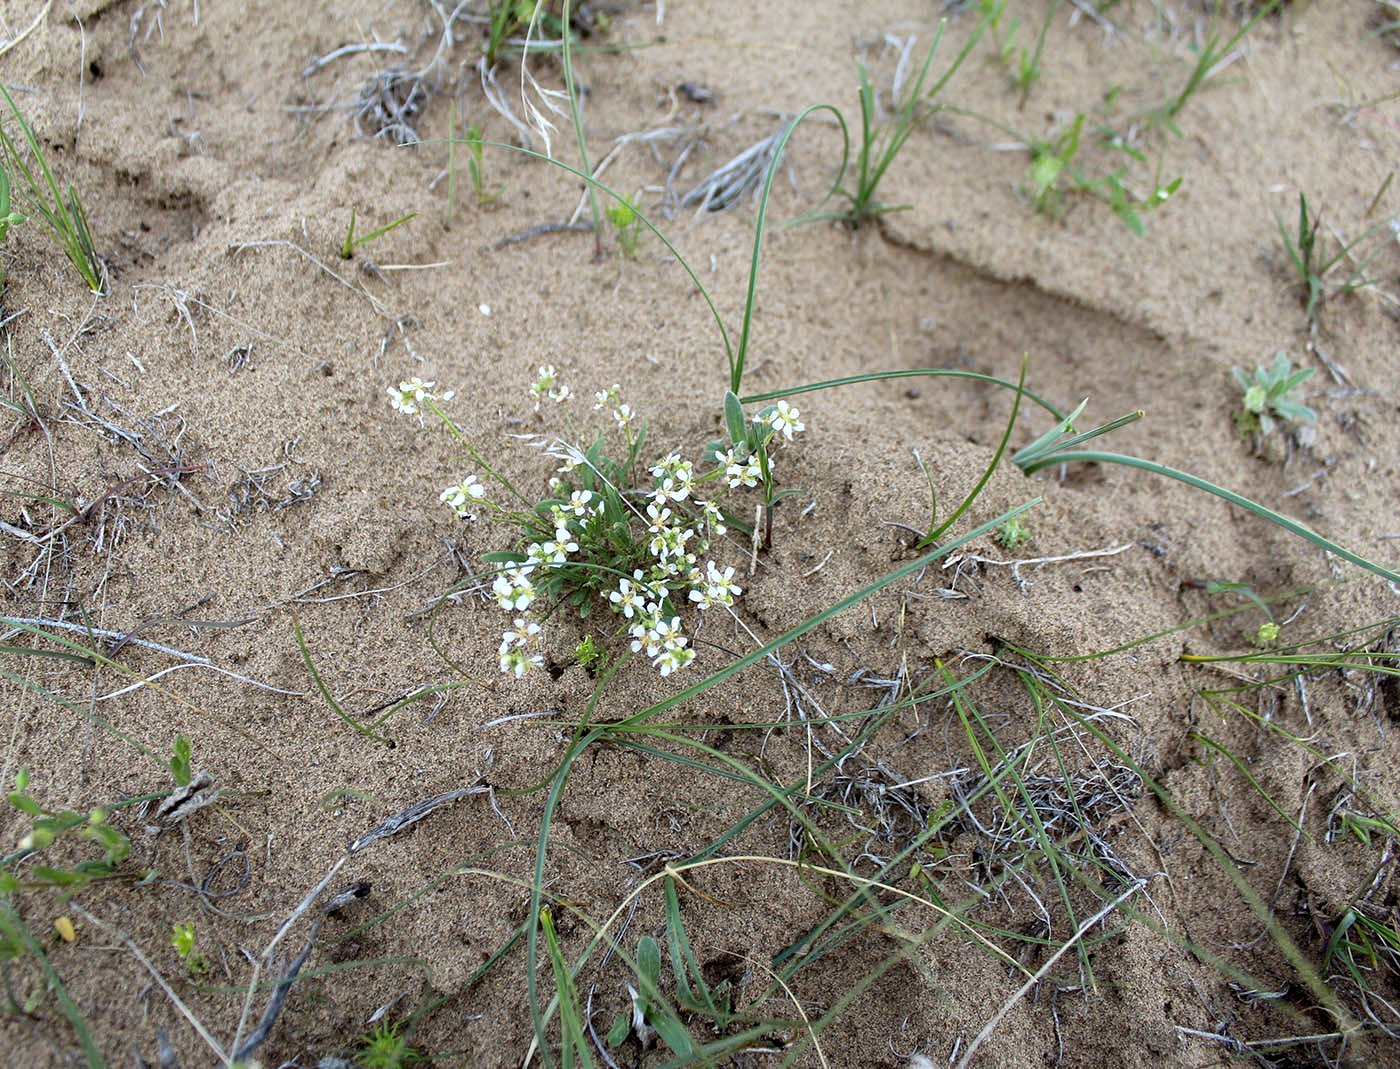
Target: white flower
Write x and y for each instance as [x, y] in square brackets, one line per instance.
[412, 393]
[458, 498]
[580, 503]
[783, 419]
[654, 588]
[675, 475]
[556, 552]
[673, 658]
[719, 587]
[546, 386]
[624, 415]
[741, 473]
[715, 518]
[520, 648]
[627, 599]
[513, 590]
[666, 465]
[606, 398]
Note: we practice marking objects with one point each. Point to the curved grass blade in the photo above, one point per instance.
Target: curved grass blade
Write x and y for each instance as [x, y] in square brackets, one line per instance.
[1290, 525]
[881, 376]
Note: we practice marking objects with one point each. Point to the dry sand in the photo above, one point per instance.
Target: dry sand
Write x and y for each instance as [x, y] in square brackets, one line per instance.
[220, 417]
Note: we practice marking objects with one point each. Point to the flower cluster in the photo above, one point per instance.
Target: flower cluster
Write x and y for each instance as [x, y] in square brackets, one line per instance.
[411, 395]
[641, 551]
[546, 386]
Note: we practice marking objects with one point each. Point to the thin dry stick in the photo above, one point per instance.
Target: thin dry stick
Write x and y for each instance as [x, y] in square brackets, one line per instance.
[43, 13]
[807, 1021]
[266, 955]
[189, 1015]
[1010, 1003]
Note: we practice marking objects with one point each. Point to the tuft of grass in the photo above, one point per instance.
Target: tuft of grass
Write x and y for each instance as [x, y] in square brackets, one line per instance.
[1023, 65]
[1217, 53]
[63, 213]
[880, 143]
[1315, 260]
[386, 1047]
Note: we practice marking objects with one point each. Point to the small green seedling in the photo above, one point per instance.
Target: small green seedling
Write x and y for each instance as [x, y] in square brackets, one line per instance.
[1022, 64]
[471, 140]
[1211, 58]
[475, 171]
[180, 761]
[652, 1012]
[507, 18]
[1267, 396]
[592, 658]
[1347, 821]
[64, 214]
[627, 224]
[386, 1048]
[1049, 163]
[353, 242]
[1012, 534]
[184, 940]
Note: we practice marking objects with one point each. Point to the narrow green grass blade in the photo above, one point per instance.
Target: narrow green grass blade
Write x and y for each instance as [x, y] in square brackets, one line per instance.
[16, 928]
[1243, 770]
[1289, 525]
[934, 532]
[325, 691]
[881, 376]
[574, 1039]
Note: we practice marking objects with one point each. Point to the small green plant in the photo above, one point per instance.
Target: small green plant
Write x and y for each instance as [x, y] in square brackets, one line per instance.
[184, 940]
[1314, 261]
[1052, 163]
[64, 214]
[592, 658]
[354, 241]
[506, 18]
[609, 529]
[386, 1048]
[471, 140]
[475, 168]
[627, 226]
[1268, 396]
[50, 828]
[180, 761]
[1012, 534]
[1023, 64]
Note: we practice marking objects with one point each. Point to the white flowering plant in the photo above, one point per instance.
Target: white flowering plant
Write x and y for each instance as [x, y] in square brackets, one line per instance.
[612, 532]
[746, 458]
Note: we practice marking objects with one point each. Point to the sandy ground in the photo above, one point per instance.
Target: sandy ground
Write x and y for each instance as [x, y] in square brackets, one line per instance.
[204, 458]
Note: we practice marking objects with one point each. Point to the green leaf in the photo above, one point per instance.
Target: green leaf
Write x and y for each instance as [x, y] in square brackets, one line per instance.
[734, 418]
[24, 803]
[180, 761]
